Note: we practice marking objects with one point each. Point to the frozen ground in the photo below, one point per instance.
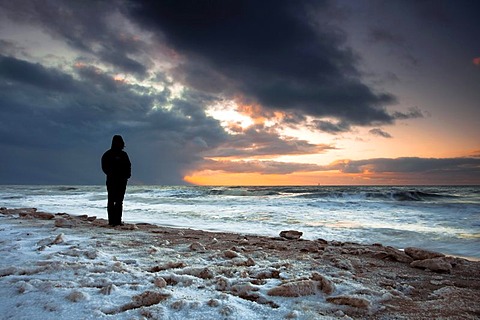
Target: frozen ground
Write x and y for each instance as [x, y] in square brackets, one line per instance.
[64, 267]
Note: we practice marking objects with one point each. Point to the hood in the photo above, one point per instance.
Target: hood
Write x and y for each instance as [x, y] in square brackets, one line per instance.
[117, 142]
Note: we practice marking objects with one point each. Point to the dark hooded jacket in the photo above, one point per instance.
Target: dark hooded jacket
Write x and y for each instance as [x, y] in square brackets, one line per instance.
[115, 162]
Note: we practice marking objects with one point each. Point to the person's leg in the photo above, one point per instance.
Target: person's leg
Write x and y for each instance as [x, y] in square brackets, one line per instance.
[120, 189]
[111, 204]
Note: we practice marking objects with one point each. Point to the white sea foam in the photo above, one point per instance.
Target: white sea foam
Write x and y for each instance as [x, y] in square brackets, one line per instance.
[444, 219]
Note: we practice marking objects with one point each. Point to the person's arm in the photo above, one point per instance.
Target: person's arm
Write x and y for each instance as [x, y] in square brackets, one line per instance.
[105, 164]
[128, 166]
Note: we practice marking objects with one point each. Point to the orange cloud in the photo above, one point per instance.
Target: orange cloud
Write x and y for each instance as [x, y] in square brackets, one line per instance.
[476, 61]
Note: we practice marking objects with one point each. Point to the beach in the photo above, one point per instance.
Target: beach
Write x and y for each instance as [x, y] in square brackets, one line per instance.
[59, 265]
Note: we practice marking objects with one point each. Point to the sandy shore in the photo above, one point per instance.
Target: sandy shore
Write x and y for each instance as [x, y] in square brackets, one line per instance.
[76, 267]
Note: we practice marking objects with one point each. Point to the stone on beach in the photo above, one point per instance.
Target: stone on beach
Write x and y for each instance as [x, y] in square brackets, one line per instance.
[230, 254]
[395, 254]
[43, 215]
[168, 265]
[295, 289]
[350, 301]
[197, 246]
[65, 223]
[291, 234]
[302, 288]
[323, 283]
[76, 296]
[435, 264]
[145, 299]
[160, 282]
[422, 254]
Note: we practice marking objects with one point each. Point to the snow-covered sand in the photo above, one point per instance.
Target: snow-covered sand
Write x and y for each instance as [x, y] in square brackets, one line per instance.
[76, 267]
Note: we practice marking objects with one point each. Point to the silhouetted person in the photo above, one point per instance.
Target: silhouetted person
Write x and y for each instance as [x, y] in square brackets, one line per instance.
[117, 167]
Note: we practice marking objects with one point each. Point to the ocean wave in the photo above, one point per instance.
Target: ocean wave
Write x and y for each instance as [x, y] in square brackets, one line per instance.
[243, 192]
[335, 193]
[414, 195]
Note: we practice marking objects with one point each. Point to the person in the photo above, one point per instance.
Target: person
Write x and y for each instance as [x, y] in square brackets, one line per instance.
[116, 165]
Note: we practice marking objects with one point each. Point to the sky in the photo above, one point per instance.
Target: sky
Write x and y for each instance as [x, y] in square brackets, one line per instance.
[220, 92]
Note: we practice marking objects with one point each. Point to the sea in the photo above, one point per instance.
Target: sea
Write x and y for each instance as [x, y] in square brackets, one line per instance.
[439, 218]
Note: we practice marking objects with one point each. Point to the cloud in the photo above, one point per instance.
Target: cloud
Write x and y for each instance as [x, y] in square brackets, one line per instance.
[257, 141]
[379, 132]
[35, 75]
[414, 169]
[54, 131]
[95, 28]
[377, 34]
[409, 165]
[256, 166]
[413, 113]
[268, 52]
[330, 127]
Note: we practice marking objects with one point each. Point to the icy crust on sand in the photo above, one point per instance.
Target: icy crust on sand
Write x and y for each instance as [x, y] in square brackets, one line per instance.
[65, 267]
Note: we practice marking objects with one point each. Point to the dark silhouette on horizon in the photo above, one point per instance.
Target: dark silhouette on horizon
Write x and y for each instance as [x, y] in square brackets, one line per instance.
[116, 165]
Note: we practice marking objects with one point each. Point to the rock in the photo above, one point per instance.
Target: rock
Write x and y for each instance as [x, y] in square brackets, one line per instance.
[202, 273]
[168, 265]
[58, 239]
[435, 264]
[197, 246]
[243, 288]
[344, 264]
[160, 282]
[145, 299]
[49, 241]
[108, 289]
[92, 218]
[294, 289]
[360, 303]
[43, 215]
[291, 234]
[421, 254]
[230, 254]
[323, 283]
[64, 223]
[7, 271]
[266, 274]
[25, 215]
[76, 296]
[222, 283]
[213, 303]
[242, 262]
[397, 255]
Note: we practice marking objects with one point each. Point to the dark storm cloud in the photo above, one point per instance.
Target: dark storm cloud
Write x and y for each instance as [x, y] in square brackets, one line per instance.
[57, 136]
[282, 54]
[377, 34]
[84, 25]
[12, 69]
